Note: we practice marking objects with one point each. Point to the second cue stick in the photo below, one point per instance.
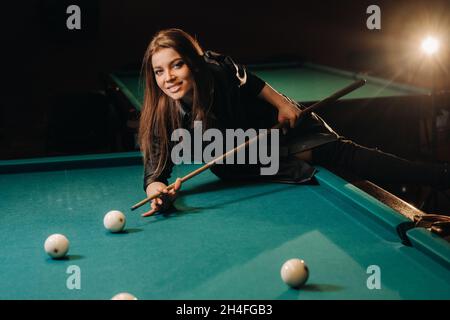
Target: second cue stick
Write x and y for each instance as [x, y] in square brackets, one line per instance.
[335, 96]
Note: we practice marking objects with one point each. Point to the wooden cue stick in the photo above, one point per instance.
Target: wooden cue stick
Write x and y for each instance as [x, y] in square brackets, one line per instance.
[355, 85]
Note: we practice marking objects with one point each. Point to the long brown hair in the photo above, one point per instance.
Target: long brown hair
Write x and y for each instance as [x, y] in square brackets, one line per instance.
[160, 114]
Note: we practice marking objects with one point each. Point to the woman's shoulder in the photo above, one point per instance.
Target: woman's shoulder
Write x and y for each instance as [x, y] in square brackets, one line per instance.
[225, 66]
[216, 59]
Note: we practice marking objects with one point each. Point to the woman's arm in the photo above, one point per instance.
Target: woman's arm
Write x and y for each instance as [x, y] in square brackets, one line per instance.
[287, 111]
[253, 86]
[158, 184]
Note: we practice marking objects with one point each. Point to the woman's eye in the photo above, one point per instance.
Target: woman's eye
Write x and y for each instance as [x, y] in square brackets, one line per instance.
[158, 72]
[178, 65]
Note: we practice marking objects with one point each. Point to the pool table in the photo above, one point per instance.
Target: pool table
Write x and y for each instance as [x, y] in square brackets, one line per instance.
[223, 240]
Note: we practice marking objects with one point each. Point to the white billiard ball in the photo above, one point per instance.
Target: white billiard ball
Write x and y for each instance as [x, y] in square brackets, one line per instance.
[56, 246]
[294, 272]
[124, 296]
[114, 221]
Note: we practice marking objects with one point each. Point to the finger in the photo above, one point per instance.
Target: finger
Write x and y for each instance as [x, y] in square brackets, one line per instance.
[284, 129]
[292, 122]
[177, 184]
[158, 192]
[172, 190]
[159, 201]
[172, 194]
[166, 200]
[149, 213]
[156, 205]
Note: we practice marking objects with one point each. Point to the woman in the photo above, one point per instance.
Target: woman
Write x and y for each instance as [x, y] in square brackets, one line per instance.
[184, 84]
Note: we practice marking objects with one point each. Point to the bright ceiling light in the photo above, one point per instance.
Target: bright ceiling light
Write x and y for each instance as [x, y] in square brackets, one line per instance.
[430, 45]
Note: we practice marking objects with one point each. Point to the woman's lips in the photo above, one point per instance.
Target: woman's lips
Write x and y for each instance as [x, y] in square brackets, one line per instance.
[174, 88]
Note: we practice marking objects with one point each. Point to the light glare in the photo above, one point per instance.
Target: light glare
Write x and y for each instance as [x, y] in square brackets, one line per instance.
[430, 45]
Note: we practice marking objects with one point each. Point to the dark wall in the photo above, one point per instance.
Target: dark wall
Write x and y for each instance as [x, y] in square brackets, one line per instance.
[43, 61]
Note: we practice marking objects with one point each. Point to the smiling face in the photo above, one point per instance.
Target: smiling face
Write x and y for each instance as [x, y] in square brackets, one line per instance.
[173, 75]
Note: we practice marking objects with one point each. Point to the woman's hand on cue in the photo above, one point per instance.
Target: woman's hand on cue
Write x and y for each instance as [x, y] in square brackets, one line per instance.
[165, 200]
[288, 113]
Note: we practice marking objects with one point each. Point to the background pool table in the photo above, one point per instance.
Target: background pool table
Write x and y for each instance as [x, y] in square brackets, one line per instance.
[300, 81]
[224, 241]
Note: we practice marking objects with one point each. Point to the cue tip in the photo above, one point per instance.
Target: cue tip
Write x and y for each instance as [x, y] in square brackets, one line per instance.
[137, 205]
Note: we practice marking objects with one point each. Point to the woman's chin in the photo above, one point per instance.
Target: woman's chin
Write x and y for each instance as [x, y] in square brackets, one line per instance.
[176, 95]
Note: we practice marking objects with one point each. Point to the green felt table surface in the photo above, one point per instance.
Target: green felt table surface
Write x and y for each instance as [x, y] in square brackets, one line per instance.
[224, 241]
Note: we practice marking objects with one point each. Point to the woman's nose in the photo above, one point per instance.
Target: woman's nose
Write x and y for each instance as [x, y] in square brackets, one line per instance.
[169, 76]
